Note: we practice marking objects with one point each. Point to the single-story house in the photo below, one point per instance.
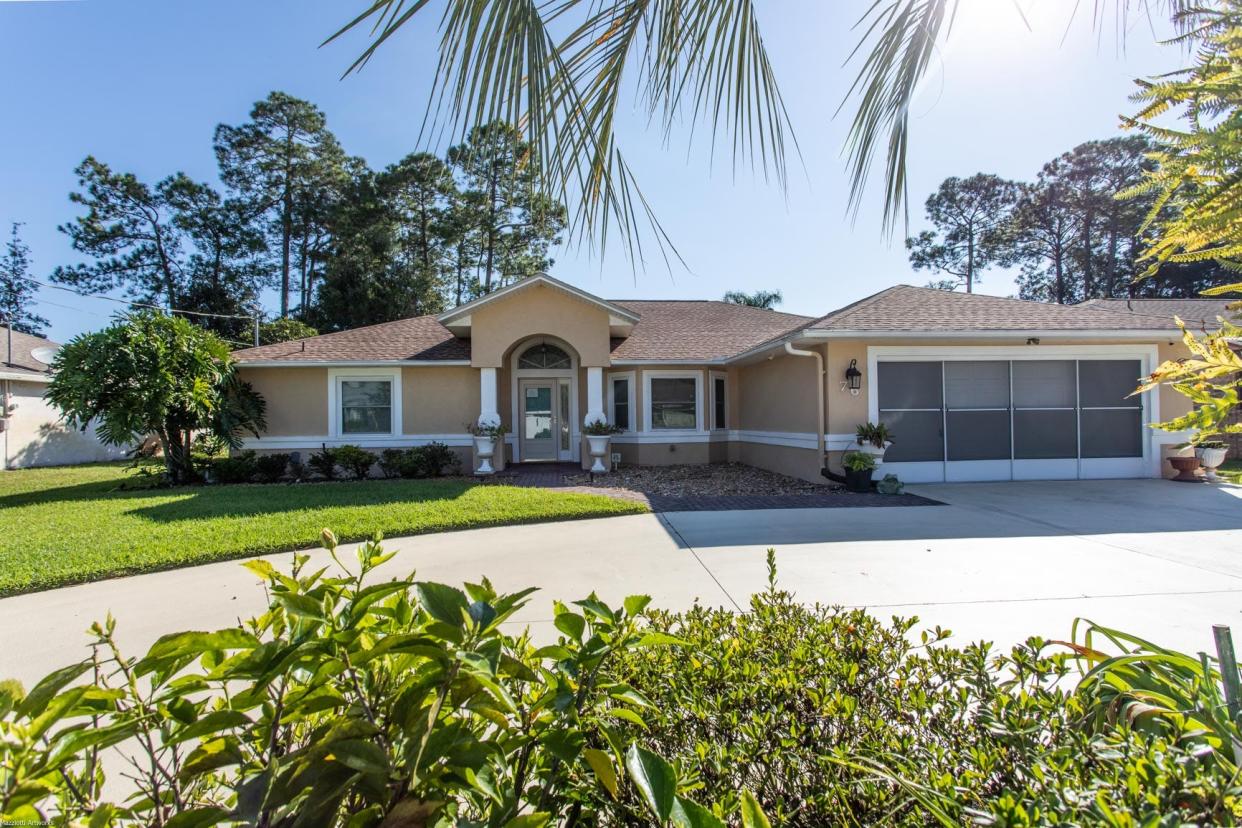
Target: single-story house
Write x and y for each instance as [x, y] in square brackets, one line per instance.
[31, 430]
[973, 387]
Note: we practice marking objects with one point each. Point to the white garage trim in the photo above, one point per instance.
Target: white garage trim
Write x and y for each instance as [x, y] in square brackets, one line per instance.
[1085, 468]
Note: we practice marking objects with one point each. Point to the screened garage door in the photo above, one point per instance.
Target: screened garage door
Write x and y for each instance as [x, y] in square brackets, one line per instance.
[1012, 419]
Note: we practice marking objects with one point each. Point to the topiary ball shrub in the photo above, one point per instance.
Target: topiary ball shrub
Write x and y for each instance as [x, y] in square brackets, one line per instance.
[270, 468]
[356, 461]
[237, 468]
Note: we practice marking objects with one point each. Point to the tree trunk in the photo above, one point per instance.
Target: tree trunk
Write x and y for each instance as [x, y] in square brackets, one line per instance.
[491, 231]
[970, 263]
[1088, 279]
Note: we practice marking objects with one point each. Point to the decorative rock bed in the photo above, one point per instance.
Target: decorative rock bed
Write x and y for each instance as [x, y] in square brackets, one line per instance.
[715, 480]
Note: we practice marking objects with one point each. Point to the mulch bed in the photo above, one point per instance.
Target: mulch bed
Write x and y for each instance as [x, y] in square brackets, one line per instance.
[727, 487]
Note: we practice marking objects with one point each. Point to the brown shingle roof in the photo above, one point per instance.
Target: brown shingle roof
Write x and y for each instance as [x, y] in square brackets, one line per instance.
[666, 330]
[420, 337]
[23, 360]
[1196, 313]
[908, 308]
[693, 331]
[698, 330]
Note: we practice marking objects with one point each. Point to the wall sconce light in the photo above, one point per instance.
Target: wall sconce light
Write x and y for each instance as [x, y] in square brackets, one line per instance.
[853, 378]
[1033, 340]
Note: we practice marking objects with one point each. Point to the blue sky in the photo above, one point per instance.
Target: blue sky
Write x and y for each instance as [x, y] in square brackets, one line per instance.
[141, 84]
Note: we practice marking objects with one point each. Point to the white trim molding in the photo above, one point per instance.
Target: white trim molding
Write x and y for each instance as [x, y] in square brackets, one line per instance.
[351, 363]
[631, 398]
[312, 441]
[697, 376]
[338, 375]
[455, 314]
[42, 379]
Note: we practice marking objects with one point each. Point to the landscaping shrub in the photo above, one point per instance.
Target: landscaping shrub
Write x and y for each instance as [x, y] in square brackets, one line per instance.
[398, 703]
[237, 468]
[431, 460]
[270, 468]
[394, 462]
[356, 462]
[351, 703]
[324, 462]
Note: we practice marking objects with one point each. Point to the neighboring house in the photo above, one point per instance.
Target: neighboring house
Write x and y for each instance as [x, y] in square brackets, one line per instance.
[973, 387]
[33, 433]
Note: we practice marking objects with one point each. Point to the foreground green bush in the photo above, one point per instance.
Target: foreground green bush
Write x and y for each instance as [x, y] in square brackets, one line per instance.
[403, 703]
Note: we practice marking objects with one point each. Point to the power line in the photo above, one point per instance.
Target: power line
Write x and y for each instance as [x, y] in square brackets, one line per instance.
[137, 304]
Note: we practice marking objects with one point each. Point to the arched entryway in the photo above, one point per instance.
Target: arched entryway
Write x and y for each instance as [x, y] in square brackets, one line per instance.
[543, 373]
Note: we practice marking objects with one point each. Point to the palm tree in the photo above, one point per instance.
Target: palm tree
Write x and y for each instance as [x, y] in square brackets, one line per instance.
[766, 299]
[698, 60]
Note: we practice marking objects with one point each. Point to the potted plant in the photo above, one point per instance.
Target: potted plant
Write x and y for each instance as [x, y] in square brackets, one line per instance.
[1211, 454]
[859, 467]
[873, 439]
[485, 433]
[598, 433]
[1185, 461]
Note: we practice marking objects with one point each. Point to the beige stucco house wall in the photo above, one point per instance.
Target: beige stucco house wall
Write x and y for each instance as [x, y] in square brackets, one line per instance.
[456, 368]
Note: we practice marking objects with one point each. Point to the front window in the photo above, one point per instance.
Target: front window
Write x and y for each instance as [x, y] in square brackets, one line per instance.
[674, 403]
[719, 403]
[544, 356]
[621, 403]
[366, 406]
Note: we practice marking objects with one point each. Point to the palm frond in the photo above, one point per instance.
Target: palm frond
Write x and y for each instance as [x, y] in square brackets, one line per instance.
[558, 69]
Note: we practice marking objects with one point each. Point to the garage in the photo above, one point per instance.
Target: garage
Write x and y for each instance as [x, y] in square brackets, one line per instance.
[1050, 413]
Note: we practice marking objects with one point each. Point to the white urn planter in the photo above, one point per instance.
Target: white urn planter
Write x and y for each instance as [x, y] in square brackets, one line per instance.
[876, 452]
[485, 448]
[1210, 458]
[599, 450]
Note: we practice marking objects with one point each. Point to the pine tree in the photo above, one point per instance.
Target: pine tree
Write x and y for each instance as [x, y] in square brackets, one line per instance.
[17, 292]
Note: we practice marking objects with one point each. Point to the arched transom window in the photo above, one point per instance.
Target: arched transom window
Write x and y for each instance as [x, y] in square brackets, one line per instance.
[544, 356]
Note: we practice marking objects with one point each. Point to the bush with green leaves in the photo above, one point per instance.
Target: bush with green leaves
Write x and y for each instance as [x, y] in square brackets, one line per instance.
[832, 717]
[359, 702]
[239, 467]
[324, 462]
[270, 468]
[430, 460]
[352, 703]
[355, 460]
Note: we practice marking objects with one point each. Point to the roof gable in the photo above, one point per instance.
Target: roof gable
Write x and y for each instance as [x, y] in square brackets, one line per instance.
[458, 319]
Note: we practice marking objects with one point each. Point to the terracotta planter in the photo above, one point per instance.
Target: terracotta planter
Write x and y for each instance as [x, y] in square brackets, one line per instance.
[1185, 467]
[1210, 459]
[485, 448]
[599, 448]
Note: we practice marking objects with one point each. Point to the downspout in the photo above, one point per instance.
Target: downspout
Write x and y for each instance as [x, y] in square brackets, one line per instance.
[819, 396]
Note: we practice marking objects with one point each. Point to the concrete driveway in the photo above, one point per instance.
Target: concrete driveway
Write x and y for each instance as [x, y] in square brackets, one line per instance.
[1000, 562]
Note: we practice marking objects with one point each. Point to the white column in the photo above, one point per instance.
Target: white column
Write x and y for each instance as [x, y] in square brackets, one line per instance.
[595, 396]
[488, 413]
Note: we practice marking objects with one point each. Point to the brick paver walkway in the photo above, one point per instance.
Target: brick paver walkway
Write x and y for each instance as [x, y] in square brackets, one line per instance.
[552, 476]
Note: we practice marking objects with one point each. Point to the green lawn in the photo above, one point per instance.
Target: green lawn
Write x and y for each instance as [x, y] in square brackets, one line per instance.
[68, 525]
[1231, 470]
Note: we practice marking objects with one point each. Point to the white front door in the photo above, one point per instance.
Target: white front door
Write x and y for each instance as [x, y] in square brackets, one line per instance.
[540, 421]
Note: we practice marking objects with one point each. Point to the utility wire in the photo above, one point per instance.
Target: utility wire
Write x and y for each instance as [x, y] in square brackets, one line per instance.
[136, 304]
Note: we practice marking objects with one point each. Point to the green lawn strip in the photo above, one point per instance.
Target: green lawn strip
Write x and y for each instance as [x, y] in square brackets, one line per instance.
[71, 525]
[1231, 470]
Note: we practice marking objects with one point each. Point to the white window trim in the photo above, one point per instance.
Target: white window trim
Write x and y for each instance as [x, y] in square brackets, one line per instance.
[1147, 354]
[338, 375]
[711, 412]
[630, 399]
[697, 376]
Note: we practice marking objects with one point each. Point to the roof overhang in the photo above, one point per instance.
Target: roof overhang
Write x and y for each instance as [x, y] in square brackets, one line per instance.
[811, 335]
[24, 377]
[346, 363]
[458, 320]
